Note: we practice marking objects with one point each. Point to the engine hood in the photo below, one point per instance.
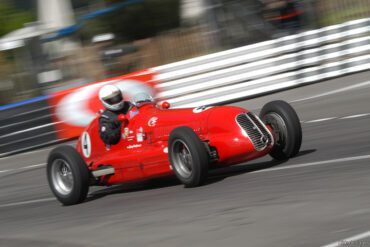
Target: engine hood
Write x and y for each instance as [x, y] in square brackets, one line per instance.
[223, 117]
[201, 119]
[195, 118]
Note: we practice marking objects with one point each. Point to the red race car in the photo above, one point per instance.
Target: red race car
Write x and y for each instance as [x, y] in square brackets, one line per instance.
[157, 141]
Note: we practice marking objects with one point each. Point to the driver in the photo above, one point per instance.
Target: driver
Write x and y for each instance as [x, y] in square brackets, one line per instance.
[109, 125]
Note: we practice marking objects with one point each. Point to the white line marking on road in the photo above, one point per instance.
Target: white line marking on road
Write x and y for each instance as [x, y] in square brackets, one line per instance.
[321, 120]
[364, 157]
[260, 171]
[356, 116]
[27, 202]
[25, 153]
[24, 168]
[333, 118]
[349, 241]
[34, 166]
[362, 84]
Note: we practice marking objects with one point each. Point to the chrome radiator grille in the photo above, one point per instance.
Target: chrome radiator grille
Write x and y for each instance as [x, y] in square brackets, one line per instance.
[255, 129]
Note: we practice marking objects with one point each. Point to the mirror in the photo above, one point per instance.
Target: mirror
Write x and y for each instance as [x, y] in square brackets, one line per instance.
[165, 105]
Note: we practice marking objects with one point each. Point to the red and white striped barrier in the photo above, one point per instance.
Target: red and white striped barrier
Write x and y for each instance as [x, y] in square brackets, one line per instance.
[231, 75]
[74, 109]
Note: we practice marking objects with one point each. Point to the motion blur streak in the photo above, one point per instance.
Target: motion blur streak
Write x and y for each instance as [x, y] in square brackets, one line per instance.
[362, 84]
[305, 206]
[24, 168]
[195, 52]
[364, 157]
[27, 202]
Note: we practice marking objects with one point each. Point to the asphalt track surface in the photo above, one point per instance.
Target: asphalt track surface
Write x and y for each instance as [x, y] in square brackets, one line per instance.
[318, 198]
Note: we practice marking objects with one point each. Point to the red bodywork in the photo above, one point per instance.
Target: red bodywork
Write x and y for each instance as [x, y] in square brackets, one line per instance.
[134, 159]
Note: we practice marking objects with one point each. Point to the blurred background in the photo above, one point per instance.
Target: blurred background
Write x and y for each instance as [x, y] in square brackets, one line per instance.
[51, 45]
[56, 54]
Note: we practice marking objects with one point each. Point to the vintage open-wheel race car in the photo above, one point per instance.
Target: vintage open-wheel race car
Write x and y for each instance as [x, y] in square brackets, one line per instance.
[157, 141]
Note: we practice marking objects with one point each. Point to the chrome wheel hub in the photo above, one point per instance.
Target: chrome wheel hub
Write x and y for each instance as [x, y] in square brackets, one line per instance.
[62, 177]
[279, 128]
[183, 161]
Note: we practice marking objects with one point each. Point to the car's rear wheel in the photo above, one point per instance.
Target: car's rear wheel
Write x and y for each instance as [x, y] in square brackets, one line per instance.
[68, 175]
[188, 157]
[286, 127]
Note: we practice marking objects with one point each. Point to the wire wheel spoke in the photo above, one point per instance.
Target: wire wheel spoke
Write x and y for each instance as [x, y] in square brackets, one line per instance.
[62, 176]
[183, 161]
[279, 128]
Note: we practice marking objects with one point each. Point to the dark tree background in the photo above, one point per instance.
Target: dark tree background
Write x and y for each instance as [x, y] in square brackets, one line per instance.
[137, 21]
[13, 15]
[146, 20]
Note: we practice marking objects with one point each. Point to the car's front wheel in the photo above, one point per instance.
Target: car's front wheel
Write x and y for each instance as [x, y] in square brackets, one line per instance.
[286, 127]
[188, 157]
[68, 175]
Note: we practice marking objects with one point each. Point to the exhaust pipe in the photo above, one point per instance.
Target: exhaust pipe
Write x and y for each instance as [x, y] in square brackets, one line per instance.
[103, 172]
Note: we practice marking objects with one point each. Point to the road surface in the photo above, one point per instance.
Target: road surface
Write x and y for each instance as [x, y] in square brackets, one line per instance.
[319, 198]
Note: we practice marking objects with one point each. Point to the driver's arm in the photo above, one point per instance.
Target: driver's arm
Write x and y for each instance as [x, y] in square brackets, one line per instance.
[109, 129]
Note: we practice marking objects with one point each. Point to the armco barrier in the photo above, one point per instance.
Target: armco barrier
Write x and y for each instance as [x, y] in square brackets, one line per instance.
[27, 125]
[267, 66]
[60, 116]
[212, 79]
[75, 108]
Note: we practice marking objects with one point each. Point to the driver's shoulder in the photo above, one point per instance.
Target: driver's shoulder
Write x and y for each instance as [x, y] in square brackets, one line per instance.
[106, 114]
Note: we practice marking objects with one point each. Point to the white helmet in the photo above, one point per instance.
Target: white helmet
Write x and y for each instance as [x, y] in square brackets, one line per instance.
[111, 97]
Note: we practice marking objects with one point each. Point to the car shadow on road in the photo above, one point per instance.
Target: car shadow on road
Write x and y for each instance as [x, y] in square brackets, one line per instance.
[215, 176]
[134, 187]
[305, 152]
[222, 173]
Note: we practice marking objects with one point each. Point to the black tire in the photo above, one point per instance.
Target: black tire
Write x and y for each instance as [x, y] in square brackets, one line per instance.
[65, 163]
[193, 173]
[286, 126]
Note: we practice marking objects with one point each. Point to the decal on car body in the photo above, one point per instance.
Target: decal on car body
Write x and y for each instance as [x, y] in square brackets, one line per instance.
[201, 109]
[140, 135]
[152, 122]
[125, 133]
[134, 146]
[86, 144]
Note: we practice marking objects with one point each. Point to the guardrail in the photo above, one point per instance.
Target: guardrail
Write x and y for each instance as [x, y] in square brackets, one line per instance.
[267, 66]
[217, 78]
[25, 126]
